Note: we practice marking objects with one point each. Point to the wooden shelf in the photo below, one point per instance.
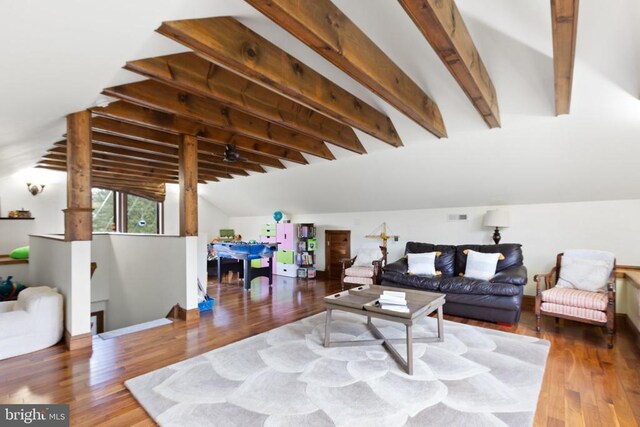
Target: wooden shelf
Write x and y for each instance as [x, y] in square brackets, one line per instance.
[6, 217]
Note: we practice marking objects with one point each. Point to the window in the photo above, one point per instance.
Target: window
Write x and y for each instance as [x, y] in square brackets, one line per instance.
[142, 215]
[104, 210]
[125, 213]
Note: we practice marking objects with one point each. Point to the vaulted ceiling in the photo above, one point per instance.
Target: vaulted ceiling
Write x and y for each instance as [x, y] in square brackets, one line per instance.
[382, 75]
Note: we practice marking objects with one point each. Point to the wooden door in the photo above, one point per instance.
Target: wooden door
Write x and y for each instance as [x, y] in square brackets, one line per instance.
[337, 247]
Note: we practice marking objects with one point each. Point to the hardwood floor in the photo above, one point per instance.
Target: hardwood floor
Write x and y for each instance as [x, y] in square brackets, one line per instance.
[584, 383]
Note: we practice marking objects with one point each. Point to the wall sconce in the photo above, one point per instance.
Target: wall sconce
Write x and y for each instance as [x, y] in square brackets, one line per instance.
[498, 219]
[35, 189]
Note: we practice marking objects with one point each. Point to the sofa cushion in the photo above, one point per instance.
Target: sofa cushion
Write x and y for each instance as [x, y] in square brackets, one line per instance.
[359, 272]
[445, 263]
[585, 274]
[423, 263]
[399, 266]
[512, 253]
[576, 298]
[511, 303]
[467, 285]
[428, 283]
[480, 265]
[419, 248]
[567, 310]
[366, 256]
[514, 275]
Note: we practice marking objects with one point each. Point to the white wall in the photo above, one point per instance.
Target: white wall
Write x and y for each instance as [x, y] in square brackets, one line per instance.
[66, 266]
[631, 295]
[542, 229]
[141, 277]
[19, 272]
[210, 218]
[46, 207]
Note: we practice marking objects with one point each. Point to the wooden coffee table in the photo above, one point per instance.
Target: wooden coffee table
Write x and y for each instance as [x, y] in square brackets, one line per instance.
[362, 300]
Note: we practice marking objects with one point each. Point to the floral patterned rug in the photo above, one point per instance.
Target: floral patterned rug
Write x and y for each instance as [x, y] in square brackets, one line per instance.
[285, 377]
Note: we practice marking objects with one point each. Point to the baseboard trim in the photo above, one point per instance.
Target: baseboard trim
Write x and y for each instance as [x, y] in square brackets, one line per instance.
[628, 323]
[77, 342]
[184, 314]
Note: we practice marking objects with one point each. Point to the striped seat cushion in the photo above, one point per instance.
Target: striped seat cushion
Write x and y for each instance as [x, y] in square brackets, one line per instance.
[359, 272]
[576, 298]
[579, 312]
[358, 280]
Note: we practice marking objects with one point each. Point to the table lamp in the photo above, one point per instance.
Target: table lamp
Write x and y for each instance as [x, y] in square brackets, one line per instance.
[496, 218]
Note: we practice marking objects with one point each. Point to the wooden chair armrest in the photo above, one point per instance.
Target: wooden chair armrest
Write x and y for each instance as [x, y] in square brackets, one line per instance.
[347, 262]
[546, 278]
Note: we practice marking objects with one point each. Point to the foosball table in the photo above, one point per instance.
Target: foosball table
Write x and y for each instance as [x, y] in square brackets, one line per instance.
[246, 252]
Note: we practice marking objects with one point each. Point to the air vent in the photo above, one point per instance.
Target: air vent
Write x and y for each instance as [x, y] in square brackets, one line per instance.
[457, 217]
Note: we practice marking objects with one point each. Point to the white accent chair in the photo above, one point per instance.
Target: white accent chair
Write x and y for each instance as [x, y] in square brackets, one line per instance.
[33, 322]
[365, 268]
[566, 296]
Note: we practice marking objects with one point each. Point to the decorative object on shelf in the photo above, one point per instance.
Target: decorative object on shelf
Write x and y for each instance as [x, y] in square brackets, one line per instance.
[497, 218]
[35, 189]
[21, 213]
[277, 216]
[382, 232]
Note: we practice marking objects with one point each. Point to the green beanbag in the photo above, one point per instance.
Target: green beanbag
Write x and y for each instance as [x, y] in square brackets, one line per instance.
[9, 289]
[20, 253]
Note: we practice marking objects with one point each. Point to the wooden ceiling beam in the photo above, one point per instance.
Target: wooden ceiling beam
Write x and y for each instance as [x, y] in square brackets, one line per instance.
[121, 168]
[102, 165]
[326, 29]
[121, 160]
[109, 175]
[228, 43]
[189, 72]
[109, 144]
[161, 97]
[120, 128]
[564, 27]
[207, 147]
[113, 171]
[146, 117]
[132, 131]
[441, 24]
[171, 151]
[128, 180]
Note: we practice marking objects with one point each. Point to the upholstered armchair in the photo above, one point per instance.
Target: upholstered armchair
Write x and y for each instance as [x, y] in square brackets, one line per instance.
[581, 287]
[365, 268]
[33, 322]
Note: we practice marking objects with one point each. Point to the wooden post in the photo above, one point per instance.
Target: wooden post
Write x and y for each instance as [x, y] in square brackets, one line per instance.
[188, 176]
[78, 214]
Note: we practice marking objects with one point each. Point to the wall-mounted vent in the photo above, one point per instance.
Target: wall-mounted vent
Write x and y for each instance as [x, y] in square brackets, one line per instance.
[457, 217]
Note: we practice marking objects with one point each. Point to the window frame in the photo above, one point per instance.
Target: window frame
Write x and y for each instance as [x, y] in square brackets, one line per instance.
[120, 209]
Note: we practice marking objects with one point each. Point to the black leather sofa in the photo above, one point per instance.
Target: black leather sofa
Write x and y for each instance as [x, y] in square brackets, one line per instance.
[496, 300]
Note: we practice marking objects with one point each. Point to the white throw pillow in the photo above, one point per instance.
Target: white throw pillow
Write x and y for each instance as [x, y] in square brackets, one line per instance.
[584, 274]
[366, 256]
[424, 263]
[481, 266]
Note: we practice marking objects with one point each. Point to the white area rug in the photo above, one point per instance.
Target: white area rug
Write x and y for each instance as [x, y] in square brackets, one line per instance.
[285, 377]
[134, 328]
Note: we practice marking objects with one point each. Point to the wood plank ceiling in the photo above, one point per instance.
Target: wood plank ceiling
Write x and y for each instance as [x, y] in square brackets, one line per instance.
[237, 90]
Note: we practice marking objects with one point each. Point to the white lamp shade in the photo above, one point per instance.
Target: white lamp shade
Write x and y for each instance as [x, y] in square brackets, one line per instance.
[496, 218]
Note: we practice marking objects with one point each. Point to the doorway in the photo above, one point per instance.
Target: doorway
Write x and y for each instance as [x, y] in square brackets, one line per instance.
[337, 247]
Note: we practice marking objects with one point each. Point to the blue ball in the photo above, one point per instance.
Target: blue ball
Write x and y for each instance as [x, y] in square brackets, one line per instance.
[277, 215]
